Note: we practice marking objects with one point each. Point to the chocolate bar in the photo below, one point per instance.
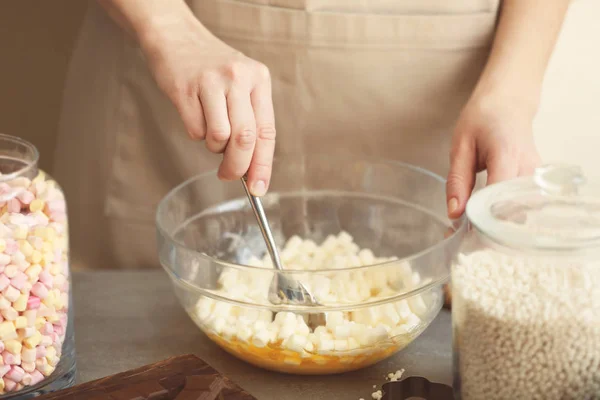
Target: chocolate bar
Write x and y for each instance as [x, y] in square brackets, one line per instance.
[416, 387]
[179, 378]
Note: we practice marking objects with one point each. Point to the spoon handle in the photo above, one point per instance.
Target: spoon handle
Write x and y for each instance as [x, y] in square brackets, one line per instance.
[263, 224]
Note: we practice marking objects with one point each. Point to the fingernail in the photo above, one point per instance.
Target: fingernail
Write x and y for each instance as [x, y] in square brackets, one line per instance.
[452, 205]
[259, 188]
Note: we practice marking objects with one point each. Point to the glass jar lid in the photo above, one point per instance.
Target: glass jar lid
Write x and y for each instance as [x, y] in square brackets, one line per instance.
[555, 209]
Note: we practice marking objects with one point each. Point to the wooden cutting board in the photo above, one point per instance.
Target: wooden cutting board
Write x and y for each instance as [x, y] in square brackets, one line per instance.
[178, 378]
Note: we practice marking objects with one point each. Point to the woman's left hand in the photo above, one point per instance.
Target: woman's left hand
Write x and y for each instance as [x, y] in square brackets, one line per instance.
[493, 134]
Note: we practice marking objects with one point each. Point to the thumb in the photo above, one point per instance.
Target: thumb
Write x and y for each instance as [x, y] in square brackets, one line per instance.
[461, 180]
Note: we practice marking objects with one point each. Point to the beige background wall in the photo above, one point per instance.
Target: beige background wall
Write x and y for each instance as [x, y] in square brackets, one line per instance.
[35, 44]
[36, 38]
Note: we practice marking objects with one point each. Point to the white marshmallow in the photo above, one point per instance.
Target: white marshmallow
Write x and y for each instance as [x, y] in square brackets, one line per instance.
[325, 345]
[261, 338]
[417, 305]
[403, 309]
[377, 334]
[342, 331]
[340, 345]
[296, 343]
[218, 324]
[334, 319]
[286, 331]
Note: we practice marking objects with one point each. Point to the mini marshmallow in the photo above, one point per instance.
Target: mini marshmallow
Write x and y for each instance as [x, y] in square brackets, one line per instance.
[377, 334]
[334, 319]
[10, 314]
[11, 294]
[286, 331]
[261, 338]
[340, 345]
[417, 305]
[4, 370]
[296, 343]
[13, 346]
[16, 373]
[325, 345]
[28, 367]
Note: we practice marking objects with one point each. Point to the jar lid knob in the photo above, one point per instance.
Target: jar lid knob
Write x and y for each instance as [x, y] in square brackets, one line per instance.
[557, 179]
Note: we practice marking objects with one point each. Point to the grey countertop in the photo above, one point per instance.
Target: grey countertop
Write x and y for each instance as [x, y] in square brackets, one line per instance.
[124, 320]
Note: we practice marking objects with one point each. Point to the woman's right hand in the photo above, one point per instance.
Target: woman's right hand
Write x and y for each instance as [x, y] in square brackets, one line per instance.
[223, 97]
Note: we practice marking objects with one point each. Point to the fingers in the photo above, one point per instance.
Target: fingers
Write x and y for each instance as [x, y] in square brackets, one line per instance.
[192, 116]
[218, 128]
[461, 178]
[501, 167]
[259, 173]
[529, 165]
[240, 147]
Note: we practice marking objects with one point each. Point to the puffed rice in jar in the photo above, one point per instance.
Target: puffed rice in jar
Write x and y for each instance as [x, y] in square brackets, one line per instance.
[36, 334]
[526, 291]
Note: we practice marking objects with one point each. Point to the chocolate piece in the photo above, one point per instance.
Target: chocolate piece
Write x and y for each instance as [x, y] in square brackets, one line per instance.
[140, 391]
[448, 296]
[200, 387]
[182, 378]
[416, 386]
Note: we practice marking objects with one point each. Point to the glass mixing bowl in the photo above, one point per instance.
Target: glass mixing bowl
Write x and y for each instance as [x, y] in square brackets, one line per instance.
[369, 238]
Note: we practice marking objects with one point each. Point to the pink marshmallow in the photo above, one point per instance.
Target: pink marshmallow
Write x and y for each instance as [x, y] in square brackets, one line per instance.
[33, 303]
[40, 352]
[4, 282]
[1, 320]
[39, 290]
[19, 280]
[1, 347]
[9, 358]
[59, 330]
[13, 206]
[37, 377]
[58, 216]
[57, 206]
[47, 329]
[16, 374]
[47, 279]
[47, 340]
[4, 370]
[5, 188]
[26, 197]
[9, 385]
[11, 247]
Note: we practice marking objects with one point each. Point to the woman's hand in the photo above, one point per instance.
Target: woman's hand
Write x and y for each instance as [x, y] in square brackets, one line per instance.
[223, 97]
[493, 134]
[494, 130]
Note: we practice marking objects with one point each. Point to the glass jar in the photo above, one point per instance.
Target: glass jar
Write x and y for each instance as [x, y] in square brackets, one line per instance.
[526, 290]
[36, 330]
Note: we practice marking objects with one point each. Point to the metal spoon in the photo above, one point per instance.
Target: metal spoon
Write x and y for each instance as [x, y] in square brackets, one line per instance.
[283, 290]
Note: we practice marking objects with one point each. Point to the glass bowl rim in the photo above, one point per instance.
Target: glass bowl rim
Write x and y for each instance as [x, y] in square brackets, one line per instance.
[459, 224]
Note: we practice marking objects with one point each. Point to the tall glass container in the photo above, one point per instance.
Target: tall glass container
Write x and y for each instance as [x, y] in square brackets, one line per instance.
[36, 327]
[526, 290]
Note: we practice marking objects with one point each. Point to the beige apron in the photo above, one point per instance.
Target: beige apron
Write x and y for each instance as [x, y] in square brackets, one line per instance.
[384, 78]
